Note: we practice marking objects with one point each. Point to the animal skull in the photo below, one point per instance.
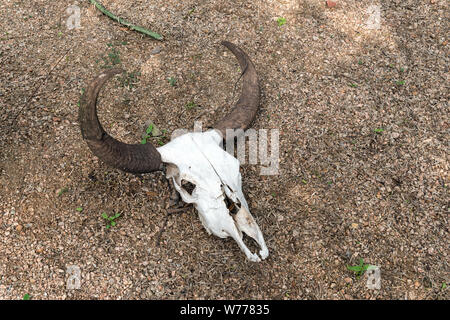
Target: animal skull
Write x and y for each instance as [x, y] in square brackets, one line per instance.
[198, 158]
[193, 157]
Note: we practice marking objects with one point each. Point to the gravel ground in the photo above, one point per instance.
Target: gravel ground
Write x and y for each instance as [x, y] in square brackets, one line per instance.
[364, 170]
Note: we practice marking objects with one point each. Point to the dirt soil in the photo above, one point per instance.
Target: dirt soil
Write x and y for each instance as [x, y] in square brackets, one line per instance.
[364, 163]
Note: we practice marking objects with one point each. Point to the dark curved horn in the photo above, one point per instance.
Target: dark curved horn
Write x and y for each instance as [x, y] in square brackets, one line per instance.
[135, 158]
[242, 115]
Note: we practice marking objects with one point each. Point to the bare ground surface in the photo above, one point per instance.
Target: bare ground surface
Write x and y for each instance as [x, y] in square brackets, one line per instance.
[329, 83]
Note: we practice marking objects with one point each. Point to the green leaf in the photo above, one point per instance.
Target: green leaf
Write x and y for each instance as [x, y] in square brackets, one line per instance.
[191, 11]
[26, 296]
[354, 268]
[191, 105]
[379, 130]
[149, 129]
[115, 216]
[113, 223]
[63, 190]
[281, 21]
[172, 81]
[104, 215]
[144, 141]
[359, 269]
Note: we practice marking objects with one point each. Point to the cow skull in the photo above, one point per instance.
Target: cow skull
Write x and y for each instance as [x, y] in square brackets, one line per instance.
[196, 158]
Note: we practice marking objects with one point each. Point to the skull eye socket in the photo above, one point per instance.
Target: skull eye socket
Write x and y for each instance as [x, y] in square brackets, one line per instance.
[188, 186]
[233, 207]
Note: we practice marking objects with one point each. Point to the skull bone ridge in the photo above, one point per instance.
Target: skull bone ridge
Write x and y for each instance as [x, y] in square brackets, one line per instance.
[198, 158]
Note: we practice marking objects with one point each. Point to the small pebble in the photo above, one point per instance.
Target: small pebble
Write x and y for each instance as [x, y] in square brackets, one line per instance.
[156, 50]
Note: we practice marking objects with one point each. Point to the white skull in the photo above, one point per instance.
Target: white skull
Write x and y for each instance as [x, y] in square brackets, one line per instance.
[197, 158]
